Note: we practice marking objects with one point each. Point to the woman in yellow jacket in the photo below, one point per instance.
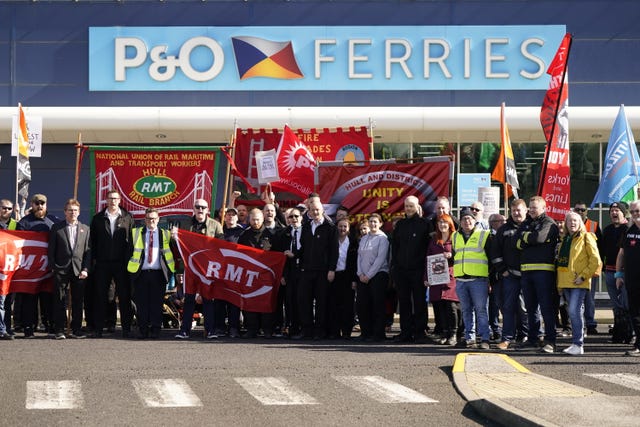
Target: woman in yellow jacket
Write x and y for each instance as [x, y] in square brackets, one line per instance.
[578, 260]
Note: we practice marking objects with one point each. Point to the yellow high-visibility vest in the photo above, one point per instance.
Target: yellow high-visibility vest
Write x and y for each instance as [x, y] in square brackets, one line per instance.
[138, 248]
[470, 258]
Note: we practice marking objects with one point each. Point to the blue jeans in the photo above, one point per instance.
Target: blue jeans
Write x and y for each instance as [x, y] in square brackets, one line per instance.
[3, 326]
[590, 305]
[474, 299]
[575, 304]
[618, 297]
[510, 306]
[539, 289]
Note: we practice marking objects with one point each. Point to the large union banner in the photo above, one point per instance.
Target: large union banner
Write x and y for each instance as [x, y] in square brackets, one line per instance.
[382, 188]
[166, 178]
[24, 264]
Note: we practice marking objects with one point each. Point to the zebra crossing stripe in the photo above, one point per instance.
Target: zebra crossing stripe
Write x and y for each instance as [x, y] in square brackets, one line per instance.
[275, 391]
[383, 390]
[54, 395]
[631, 381]
[165, 393]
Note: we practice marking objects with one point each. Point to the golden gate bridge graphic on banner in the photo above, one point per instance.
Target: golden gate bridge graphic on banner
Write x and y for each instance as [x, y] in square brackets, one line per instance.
[201, 186]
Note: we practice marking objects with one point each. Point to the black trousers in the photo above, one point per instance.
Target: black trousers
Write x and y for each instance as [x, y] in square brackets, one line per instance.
[313, 289]
[411, 301]
[148, 293]
[340, 305]
[371, 306]
[104, 273]
[63, 283]
[222, 309]
[292, 303]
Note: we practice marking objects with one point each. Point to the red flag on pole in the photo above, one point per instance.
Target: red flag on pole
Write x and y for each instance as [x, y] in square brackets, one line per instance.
[296, 165]
[236, 172]
[554, 185]
[505, 169]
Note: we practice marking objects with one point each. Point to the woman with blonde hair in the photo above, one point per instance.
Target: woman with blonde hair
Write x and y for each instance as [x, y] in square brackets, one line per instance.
[578, 261]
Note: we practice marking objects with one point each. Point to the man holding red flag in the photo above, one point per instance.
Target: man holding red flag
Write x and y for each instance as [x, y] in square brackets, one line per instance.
[296, 165]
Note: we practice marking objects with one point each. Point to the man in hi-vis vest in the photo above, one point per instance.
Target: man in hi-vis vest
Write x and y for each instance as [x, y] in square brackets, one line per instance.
[150, 267]
[471, 270]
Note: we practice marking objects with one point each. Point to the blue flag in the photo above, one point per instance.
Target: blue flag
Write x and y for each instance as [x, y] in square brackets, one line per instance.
[620, 172]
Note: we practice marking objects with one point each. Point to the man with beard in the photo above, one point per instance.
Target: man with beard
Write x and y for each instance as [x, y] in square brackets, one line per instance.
[110, 250]
[37, 220]
[200, 223]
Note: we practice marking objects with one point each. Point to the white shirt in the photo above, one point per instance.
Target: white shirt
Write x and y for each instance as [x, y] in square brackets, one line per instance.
[155, 251]
[343, 248]
[112, 219]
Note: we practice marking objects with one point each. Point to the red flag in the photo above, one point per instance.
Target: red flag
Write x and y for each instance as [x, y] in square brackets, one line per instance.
[24, 264]
[554, 185]
[296, 165]
[505, 169]
[236, 172]
[248, 278]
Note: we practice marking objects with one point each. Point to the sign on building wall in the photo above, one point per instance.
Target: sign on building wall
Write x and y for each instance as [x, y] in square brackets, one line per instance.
[321, 58]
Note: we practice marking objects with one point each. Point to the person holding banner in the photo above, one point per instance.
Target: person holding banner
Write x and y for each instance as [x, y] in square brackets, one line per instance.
[110, 251]
[442, 287]
[70, 258]
[150, 266]
[221, 308]
[409, 242]
[289, 244]
[6, 301]
[200, 223]
[37, 220]
[257, 236]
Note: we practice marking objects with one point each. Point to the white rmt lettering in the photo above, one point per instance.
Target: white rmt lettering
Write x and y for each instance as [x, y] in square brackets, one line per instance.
[163, 67]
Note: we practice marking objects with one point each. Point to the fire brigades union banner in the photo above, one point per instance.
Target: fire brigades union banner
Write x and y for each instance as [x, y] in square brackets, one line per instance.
[165, 178]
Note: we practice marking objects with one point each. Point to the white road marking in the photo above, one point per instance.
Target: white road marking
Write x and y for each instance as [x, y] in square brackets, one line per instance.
[383, 390]
[275, 391]
[631, 381]
[54, 395]
[165, 393]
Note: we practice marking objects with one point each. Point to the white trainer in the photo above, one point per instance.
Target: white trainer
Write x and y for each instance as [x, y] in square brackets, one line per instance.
[574, 350]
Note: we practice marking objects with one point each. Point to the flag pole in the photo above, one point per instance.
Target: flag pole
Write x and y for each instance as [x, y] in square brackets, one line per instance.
[77, 173]
[228, 184]
[555, 121]
[371, 153]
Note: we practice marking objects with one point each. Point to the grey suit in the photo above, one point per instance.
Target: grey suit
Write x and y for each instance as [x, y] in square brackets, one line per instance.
[67, 263]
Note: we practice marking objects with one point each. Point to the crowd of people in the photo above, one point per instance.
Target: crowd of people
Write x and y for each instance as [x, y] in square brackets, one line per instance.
[535, 274]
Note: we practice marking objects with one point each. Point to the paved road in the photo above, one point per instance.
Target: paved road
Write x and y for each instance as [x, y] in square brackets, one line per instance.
[277, 382]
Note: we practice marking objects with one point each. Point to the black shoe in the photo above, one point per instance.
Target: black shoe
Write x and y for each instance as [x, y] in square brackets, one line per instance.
[249, 335]
[6, 337]
[96, 335]
[28, 333]
[300, 337]
[592, 331]
[402, 338]
[126, 334]
[77, 335]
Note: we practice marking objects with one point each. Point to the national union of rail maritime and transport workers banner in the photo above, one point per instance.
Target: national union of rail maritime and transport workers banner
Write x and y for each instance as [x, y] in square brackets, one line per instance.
[164, 178]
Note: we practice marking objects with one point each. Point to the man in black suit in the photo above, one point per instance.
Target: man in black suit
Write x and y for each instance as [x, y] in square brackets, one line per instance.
[150, 266]
[70, 258]
[110, 250]
[319, 241]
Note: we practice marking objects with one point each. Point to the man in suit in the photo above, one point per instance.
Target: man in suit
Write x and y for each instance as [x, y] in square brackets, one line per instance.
[70, 258]
[110, 250]
[150, 266]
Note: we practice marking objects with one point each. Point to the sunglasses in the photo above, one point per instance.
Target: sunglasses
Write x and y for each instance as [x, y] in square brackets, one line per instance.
[200, 207]
[635, 211]
[293, 216]
[39, 203]
[7, 208]
[475, 209]
[580, 209]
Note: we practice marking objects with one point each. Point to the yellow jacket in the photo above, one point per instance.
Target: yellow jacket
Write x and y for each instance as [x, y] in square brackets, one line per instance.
[584, 261]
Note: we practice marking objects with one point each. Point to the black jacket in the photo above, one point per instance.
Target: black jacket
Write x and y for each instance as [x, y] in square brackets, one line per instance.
[409, 242]
[538, 240]
[505, 255]
[104, 246]
[319, 249]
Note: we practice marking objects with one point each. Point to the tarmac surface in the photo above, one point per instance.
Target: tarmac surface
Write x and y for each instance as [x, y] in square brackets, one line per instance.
[506, 392]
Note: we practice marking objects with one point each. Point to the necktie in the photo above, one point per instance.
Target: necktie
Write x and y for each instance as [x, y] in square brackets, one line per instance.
[294, 241]
[150, 248]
